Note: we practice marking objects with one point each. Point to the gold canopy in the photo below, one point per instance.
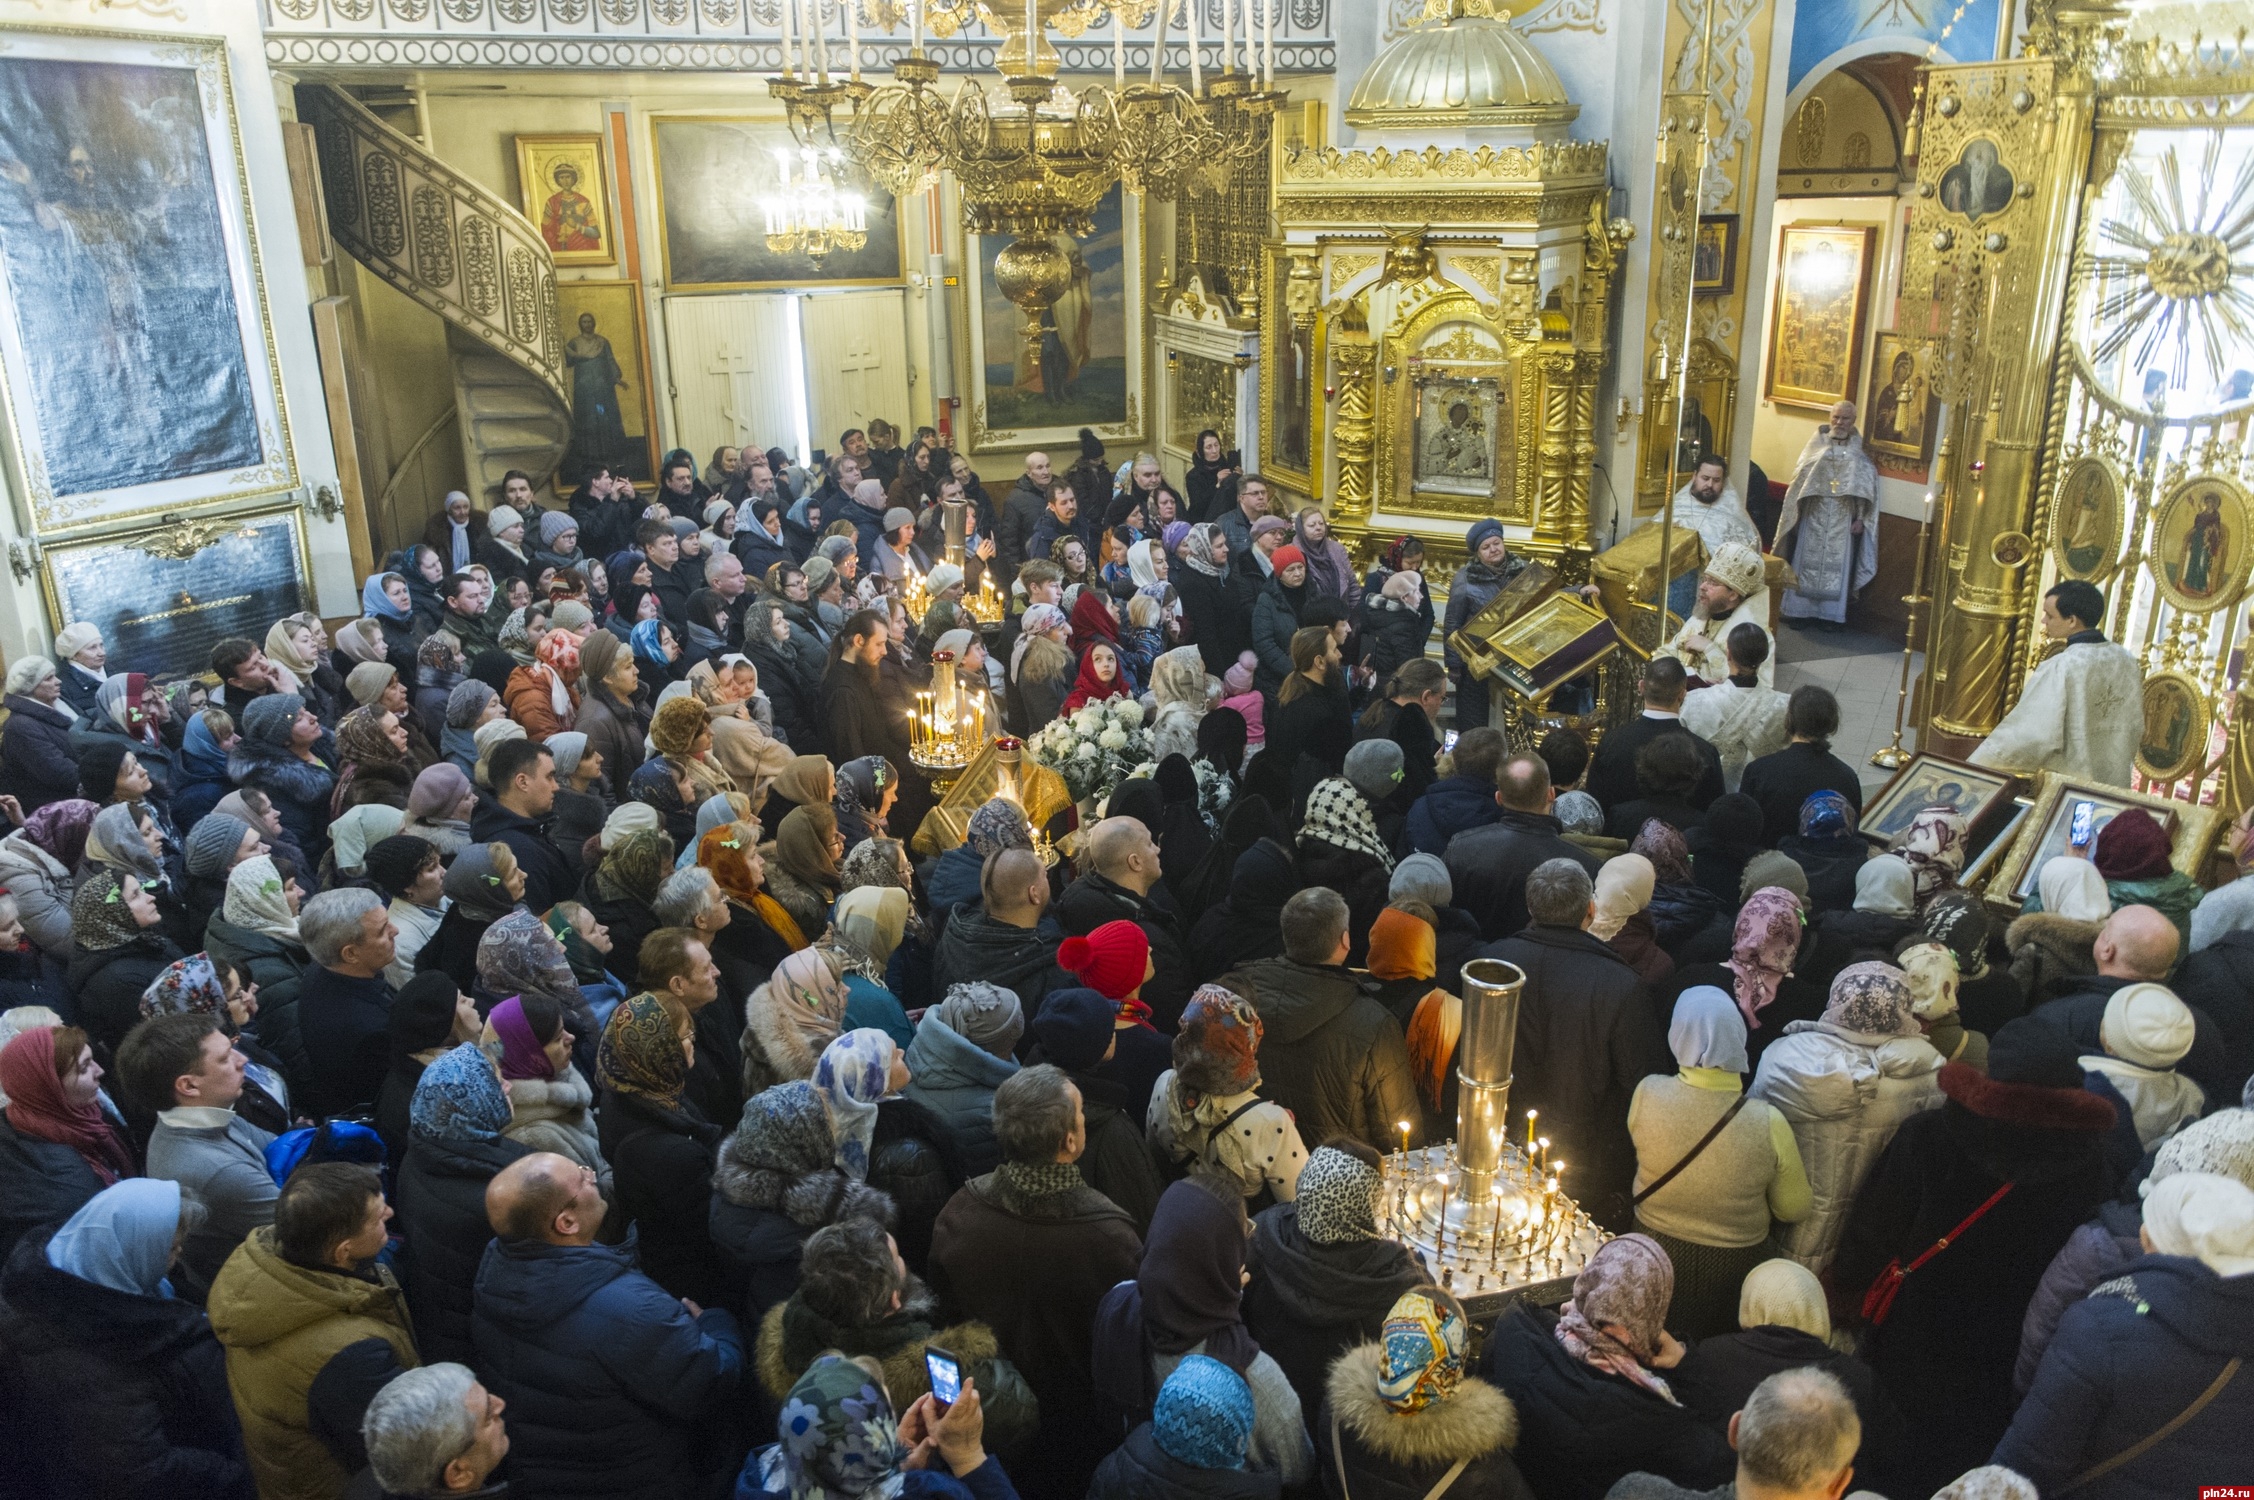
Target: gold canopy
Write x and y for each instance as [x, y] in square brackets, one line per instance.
[1468, 70]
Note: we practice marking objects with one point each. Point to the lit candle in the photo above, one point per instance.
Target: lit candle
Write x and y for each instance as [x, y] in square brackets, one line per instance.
[1530, 1114]
[1197, 63]
[1267, 44]
[790, 68]
[1118, 48]
[1403, 1127]
[1158, 45]
[852, 10]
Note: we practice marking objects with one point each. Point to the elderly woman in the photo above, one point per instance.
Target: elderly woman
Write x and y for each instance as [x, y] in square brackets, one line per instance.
[1181, 691]
[1769, 945]
[802, 872]
[39, 867]
[1933, 847]
[2052, 938]
[1041, 667]
[275, 756]
[120, 949]
[1713, 1164]
[1400, 1416]
[1206, 1114]
[484, 884]
[1783, 1324]
[78, 646]
[457, 1141]
[885, 1138]
[840, 1441]
[872, 922]
[661, 1150]
[37, 763]
[439, 806]
[961, 1054]
[777, 1182]
[1623, 920]
[790, 1019]
[1590, 1382]
[1844, 1084]
[551, 1102]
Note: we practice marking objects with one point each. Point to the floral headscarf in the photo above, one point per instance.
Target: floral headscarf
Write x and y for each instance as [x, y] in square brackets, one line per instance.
[1624, 888]
[1619, 1301]
[188, 986]
[60, 829]
[1663, 845]
[99, 917]
[361, 740]
[635, 867]
[1827, 815]
[459, 1098]
[809, 994]
[1340, 816]
[115, 843]
[997, 825]
[518, 955]
[1423, 1350]
[641, 1052]
[1934, 847]
[838, 1439]
[1873, 998]
[1197, 549]
[257, 901]
[853, 1072]
[1763, 947]
[119, 699]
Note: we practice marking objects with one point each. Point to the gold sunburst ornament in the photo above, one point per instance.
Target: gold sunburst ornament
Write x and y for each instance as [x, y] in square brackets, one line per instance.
[2188, 267]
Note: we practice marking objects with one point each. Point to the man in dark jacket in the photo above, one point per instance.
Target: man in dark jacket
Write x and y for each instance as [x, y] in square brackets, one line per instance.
[609, 1381]
[658, 543]
[1489, 865]
[1077, 1031]
[1063, 517]
[516, 813]
[1006, 937]
[1021, 512]
[1330, 1053]
[606, 521]
[1029, 1250]
[2137, 945]
[2219, 980]
[343, 1004]
[1612, 774]
[1586, 1037]
[1464, 799]
[1123, 886]
[1784, 780]
[863, 719]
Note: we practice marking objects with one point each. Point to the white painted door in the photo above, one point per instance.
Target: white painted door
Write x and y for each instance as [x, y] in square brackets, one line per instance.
[732, 373]
[856, 360]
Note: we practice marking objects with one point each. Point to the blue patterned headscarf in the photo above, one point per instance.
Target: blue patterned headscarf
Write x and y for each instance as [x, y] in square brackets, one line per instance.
[853, 1071]
[459, 1098]
[649, 649]
[1827, 815]
[1204, 1415]
[837, 1437]
[1423, 1350]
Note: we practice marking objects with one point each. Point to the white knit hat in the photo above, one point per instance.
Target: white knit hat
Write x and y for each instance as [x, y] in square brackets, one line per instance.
[1733, 564]
[503, 517]
[2222, 1142]
[941, 578]
[2147, 1025]
[2205, 1216]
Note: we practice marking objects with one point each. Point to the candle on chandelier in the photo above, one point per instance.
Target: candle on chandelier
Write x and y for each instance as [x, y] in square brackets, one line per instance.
[1267, 44]
[916, 26]
[821, 32]
[1530, 1114]
[1197, 63]
[1118, 48]
[1229, 34]
[1403, 1127]
[1158, 44]
[1032, 32]
[852, 9]
[789, 69]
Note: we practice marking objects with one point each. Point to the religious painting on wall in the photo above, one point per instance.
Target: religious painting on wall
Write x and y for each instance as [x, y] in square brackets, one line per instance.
[1288, 391]
[1977, 184]
[1934, 781]
[1898, 418]
[2176, 727]
[1816, 325]
[607, 367]
[560, 185]
[1714, 256]
[134, 337]
[712, 173]
[2199, 543]
[164, 598]
[1459, 419]
[1090, 370]
[2086, 519]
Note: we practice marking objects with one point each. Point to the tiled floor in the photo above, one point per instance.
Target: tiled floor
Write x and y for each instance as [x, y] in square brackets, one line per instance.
[1867, 688]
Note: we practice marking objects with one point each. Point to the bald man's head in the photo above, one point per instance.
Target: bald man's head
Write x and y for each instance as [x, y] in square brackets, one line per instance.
[545, 1197]
[1524, 784]
[1014, 883]
[1124, 853]
[2136, 942]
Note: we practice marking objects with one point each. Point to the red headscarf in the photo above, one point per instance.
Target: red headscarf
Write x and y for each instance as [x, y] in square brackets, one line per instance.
[1091, 618]
[38, 1108]
[1088, 688]
[2132, 847]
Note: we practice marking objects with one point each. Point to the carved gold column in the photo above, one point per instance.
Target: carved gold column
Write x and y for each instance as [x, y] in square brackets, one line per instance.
[1353, 430]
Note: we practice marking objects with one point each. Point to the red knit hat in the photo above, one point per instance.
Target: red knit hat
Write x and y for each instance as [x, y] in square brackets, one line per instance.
[1284, 556]
[1111, 960]
[2132, 847]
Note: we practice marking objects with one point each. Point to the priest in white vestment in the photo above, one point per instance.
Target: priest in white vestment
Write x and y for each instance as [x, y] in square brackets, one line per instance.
[1833, 506]
[2081, 713]
[1709, 505]
[1743, 718]
[1732, 591]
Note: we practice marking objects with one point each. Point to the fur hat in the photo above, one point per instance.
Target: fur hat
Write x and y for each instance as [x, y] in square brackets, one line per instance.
[2147, 1025]
[1737, 567]
[677, 723]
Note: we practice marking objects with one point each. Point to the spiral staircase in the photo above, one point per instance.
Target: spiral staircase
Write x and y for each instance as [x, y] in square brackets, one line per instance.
[471, 258]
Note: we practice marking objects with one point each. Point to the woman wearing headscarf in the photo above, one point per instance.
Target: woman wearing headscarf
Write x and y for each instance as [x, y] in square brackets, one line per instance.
[59, 1144]
[1323, 1278]
[1933, 847]
[1770, 944]
[667, 790]
[122, 721]
[777, 1181]
[802, 871]
[2053, 936]
[867, 788]
[962, 1052]
[760, 934]
[886, 1139]
[543, 694]
[439, 806]
[2133, 854]
[1987, 993]
[1183, 691]
[1885, 911]
[1194, 1446]
[120, 950]
[121, 1380]
[793, 688]
[1845, 1084]
[1829, 849]
[275, 755]
[1591, 1382]
[518, 955]
[551, 1101]
[866, 936]
[469, 707]
[1782, 1324]
[840, 1440]
[373, 764]
[1186, 1300]
[791, 1018]
[1981, 1194]
[1622, 922]
[483, 885]
[1930, 970]
[1244, 924]
[1102, 677]
[256, 931]
[1206, 1116]
[1217, 600]
[1042, 668]
[359, 830]
[661, 1150]
[1707, 1195]
[611, 713]
[457, 1141]
[1400, 1417]
[808, 781]
[1330, 572]
[386, 599]
[1339, 845]
[38, 866]
[1682, 911]
[622, 889]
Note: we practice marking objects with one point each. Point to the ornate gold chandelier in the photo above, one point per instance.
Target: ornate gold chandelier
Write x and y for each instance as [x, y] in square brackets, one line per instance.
[817, 212]
[1032, 155]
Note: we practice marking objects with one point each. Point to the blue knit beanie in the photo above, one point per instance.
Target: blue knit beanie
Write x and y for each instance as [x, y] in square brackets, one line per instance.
[268, 719]
[1204, 1415]
[1481, 529]
[1075, 1027]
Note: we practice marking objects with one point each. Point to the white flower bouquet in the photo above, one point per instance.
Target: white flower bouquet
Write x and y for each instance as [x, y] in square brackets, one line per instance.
[1094, 748]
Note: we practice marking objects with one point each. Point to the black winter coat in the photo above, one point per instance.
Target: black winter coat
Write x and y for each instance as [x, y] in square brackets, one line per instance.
[1307, 1303]
[761, 1249]
[1612, 772]
[1587, 1035]
[548, 876]
[106, 983]
[661, 1171]
[1449, 807]
[1139, 1469]
[1581, 1429]
[1022, 960]
[1219, 611]
[1782, 781]
[127, 1395]
[452, 949]
[298, 789]
[441, 1217]
[1719, 1373]
[912, 1161]
[41, 1183]
[1115, 1162]
[37, 762]
[2219, 979]
[1330, 1053]
[1489, 866]
[1093, 900]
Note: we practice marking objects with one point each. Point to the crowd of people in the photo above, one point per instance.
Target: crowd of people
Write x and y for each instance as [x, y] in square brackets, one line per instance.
[507, 1045]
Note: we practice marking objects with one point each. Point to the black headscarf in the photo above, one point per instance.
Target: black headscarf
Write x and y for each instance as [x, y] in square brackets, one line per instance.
[1221, 739]
[1249, 820]
[1248, 925]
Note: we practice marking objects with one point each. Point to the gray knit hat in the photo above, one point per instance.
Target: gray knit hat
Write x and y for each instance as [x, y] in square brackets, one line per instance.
[568, 747]
[572, 615]
[898, 517]
[213, 841]
[369, 681]
[985, 1015]
[554, 523]
[1374, 768]
[1422, 877]
[466, 702]
[268, 720]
